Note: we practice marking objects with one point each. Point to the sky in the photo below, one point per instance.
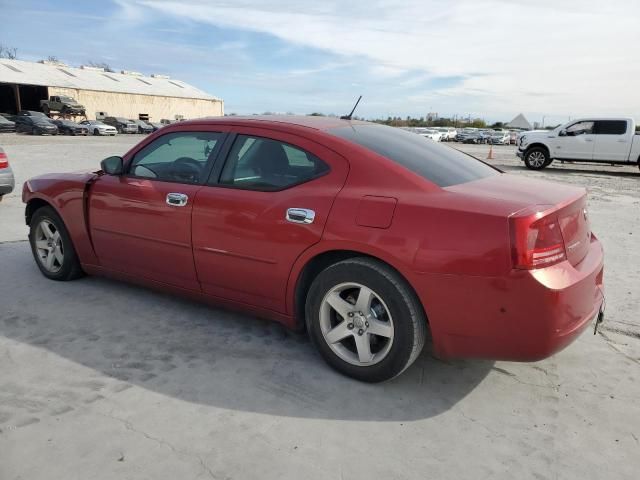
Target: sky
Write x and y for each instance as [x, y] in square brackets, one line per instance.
[488, 59]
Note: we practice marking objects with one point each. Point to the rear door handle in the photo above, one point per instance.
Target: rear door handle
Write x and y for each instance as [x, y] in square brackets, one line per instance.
[300, 215]
[177, 199]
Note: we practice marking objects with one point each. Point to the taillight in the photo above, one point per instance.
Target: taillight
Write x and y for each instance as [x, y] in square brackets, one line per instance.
[4, 161]
[536, 240]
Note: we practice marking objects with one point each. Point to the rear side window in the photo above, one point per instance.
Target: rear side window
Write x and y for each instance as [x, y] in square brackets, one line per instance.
[611, 127]
[257, 163]
[441, 165]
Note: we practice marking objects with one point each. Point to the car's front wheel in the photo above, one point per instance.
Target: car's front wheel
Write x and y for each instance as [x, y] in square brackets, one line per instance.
[536, 158]
[52, 247]
[365, 320]
[96, 132]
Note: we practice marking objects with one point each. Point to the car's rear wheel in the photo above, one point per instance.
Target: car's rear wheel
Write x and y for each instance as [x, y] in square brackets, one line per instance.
[52, 247]
[536, 158]
[365, 320]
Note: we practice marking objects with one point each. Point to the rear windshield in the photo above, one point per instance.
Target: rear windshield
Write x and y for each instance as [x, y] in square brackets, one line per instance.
[441, 165]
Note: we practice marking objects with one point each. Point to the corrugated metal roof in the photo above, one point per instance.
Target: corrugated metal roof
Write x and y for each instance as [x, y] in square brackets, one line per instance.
[48, 75]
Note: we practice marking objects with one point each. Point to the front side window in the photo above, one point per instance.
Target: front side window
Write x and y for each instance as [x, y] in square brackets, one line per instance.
[176, 157]
[258, 163]
[611, 127]
[580, 128]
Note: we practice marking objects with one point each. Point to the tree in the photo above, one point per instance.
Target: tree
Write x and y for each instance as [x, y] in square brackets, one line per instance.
[104, 65]
[8, 52]
[53, 59]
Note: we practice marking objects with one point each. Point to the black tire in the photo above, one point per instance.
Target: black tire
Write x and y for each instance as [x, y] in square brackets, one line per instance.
[70, 268]
[409, 321]
[34, 131]
[96, 132]
[536, 158]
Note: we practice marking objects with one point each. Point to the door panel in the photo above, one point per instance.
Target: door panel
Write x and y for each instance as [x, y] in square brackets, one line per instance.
[578, 144]
[135, 231]
[244, 247]
[137, 226]
[612, 141]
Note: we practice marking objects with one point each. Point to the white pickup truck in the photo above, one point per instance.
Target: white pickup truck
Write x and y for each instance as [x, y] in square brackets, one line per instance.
[598, 140]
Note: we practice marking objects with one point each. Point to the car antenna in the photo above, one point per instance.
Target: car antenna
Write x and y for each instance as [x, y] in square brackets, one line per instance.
[348, 117]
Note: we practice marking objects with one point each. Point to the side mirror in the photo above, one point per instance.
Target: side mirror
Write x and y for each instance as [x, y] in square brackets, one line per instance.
[563, 133]
[112, 165]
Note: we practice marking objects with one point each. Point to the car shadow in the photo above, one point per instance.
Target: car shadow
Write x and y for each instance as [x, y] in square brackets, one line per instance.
[209, 356]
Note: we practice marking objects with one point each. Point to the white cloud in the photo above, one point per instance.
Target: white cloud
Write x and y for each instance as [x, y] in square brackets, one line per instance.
[570, 57]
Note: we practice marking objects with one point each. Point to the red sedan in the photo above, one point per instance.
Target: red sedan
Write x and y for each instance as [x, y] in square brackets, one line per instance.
[367, 236]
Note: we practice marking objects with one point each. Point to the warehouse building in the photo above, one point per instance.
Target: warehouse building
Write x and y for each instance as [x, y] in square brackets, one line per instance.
[125, 94]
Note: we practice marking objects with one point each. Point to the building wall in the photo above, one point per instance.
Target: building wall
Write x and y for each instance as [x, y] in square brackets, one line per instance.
[131, 105]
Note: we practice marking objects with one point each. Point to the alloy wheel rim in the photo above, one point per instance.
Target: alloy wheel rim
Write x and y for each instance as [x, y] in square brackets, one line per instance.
[49, 248]
[536, 159]
[356, 324]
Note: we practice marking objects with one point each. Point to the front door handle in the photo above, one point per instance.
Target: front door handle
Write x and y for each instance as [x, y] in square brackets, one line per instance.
[177, 199]
[300, 215]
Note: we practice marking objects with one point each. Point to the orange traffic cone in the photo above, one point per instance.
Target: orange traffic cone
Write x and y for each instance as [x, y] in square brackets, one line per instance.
[490, 156]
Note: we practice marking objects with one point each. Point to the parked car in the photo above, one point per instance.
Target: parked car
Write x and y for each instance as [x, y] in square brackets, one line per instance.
[96, 127]
[475, 138]
[7, 125]
[156, 125]
[143, 127]
[8, 116]
[63, 104]
[461, 135]
[448, 133]
[513, 137]
[67, 127]
[431, 134]
[7, 182]
[593, 139]
[35, 125]
[500, 138]
[122, 125]
[316, 227]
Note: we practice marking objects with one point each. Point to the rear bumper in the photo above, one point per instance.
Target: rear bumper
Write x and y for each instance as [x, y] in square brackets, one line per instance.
[524, 316]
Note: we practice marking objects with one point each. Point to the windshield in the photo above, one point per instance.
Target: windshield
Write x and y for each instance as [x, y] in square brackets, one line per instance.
[441, 165]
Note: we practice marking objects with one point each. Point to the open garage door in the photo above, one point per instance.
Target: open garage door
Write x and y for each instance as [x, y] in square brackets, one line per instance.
[15, 97]
[7, 98]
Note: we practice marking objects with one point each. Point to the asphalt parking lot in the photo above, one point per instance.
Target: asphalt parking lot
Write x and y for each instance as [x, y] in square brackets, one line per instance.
[103, 380]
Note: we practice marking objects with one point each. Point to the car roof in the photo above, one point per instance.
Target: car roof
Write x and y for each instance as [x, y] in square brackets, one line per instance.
[315, 122]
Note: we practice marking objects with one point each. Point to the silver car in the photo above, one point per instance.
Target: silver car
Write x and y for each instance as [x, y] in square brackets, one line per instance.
[96, 127]
[7, 182]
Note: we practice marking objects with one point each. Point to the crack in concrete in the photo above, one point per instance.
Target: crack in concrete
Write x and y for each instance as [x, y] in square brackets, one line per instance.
[611, 344]
[622, 331]
[129, 426]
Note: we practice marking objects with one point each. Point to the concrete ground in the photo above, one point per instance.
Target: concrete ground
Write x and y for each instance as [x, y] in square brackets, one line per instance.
[103, 380]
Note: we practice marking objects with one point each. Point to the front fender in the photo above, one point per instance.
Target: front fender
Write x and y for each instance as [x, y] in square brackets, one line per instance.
[66, 194]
